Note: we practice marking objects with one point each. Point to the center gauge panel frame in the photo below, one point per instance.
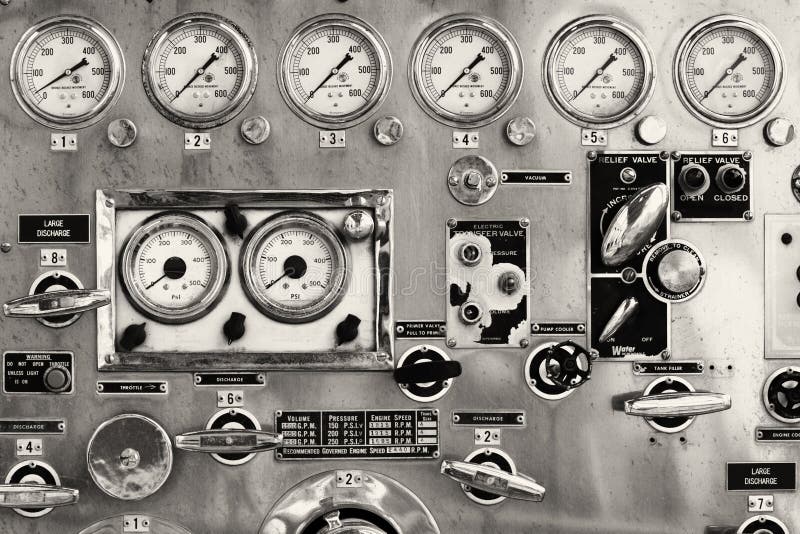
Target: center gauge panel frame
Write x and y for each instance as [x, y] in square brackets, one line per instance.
[377, 356]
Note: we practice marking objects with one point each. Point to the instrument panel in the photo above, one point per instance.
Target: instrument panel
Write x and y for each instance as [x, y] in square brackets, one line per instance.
[399, 267]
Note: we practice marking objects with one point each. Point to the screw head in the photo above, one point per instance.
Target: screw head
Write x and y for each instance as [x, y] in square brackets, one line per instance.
[451, 342]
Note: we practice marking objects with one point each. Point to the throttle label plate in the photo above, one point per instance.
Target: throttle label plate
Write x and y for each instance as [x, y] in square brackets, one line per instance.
[762, 476]
[488, 283]
[132, 387]
[354, 434]
[24, 371]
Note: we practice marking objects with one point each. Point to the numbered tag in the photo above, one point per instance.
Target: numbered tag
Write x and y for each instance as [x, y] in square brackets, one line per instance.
[64, 142]
[724, 137]
[488, 436]
[349, 479]
[196, 141]
[230, 399]
[594, 137]
[29, 447]
[135, 523]
[53, 257]
[331, 139]
[760, 503]
[466, 139]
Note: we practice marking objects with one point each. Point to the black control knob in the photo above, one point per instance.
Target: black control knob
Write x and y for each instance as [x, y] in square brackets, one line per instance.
[730, 178]
[57, 379]
[133, 336]
[235, 221]
[693, 180]
[234, 327]
[347, 330]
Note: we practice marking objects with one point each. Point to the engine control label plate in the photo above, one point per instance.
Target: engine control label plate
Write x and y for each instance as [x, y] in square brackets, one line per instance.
[762, 476]
[488, 283]
[778, 435]
[25, 371]
[61, 228]
[358, 434]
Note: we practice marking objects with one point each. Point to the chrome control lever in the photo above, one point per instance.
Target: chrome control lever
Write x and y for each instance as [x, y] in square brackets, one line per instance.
[680, 404]
[228, 441]
[36, 496]
[54, 303]
[495, 481]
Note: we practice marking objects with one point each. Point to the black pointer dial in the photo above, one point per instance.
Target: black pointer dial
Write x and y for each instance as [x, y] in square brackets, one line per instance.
[611, 59]
[67, 72]
[174, 268]
[294, 267]
[463, 73]
[198, 73]
[334, 71]
[728, 72]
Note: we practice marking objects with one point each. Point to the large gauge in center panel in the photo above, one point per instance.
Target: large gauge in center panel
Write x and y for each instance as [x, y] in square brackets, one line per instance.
[598, 72]
[335, 70]
[174, 267]
[67, 71]
[729, 71]
[465, 70]
[200, 70]
[294, 267]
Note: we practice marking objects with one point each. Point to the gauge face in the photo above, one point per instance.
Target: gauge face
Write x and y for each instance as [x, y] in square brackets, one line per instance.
[200, 70]
[67, 71]
[598, 72]
[335, 70]
[466, 70]
[294, 267]
[729, 71]
[174, 268]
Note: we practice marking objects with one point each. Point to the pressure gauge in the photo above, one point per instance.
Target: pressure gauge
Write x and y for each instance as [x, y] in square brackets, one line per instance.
[335, 71]
[67, 71]
[174, 267]
[200, 70]
[729, 71]
[294, 267]
[598, 72]
[465, 70]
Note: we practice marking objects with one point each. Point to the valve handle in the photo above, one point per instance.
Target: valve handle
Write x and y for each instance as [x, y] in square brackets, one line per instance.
[422, 372]
[36, 496]
[678, 404]
[228, 441]
[493, 480]
[54, 303]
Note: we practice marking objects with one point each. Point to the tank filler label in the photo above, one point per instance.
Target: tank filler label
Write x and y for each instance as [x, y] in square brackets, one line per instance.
[350, 434]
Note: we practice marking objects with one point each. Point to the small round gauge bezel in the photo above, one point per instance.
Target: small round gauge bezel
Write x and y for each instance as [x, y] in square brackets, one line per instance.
[249, 81]
[356, 25]
[502, 34]
[549, 67]
[681, 82]
[116, 78]
[250, 254]
[156, 223]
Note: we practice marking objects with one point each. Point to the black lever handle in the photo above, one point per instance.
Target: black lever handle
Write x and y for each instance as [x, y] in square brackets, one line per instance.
[422, 372]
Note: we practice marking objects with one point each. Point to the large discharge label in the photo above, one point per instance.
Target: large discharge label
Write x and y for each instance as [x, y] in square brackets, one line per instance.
[368, 434]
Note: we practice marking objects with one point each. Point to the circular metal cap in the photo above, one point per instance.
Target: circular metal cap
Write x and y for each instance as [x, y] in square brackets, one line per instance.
[388, 130]
[125, 523]
[520, 131]
[122, 132]
[674, 271]
[779, 131]
[129, 457]
[651, 130]
[255, 130]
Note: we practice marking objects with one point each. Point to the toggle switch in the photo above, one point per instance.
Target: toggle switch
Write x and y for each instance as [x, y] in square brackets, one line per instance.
[233, 328]
[133, 336]
[347, 330]
[626, 310]
[235, 221]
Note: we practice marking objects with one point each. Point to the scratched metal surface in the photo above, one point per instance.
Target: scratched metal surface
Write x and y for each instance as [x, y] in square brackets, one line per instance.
[601, 471]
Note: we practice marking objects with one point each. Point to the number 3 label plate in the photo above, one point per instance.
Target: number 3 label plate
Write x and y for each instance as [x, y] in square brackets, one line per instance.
[331, 139]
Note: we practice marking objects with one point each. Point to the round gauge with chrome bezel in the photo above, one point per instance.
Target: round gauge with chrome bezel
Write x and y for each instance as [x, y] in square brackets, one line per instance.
[334, 71]
[200, 70]
[294, 267]
[174, 267]
[465, 70]
[729, 71]
[67, 72]
[598, 72]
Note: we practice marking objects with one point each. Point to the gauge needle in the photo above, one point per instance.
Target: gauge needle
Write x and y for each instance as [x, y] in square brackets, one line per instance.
[294, 267]
[611, 59]
[728, 72]
[76, 66]
[464, 72]
[334, 71]
[174, 268]
[198, 73]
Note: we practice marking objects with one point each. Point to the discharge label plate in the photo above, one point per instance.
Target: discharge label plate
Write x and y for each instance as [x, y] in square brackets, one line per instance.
[66, 228]
[32, 426]
[352, 434]
[762, 476]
